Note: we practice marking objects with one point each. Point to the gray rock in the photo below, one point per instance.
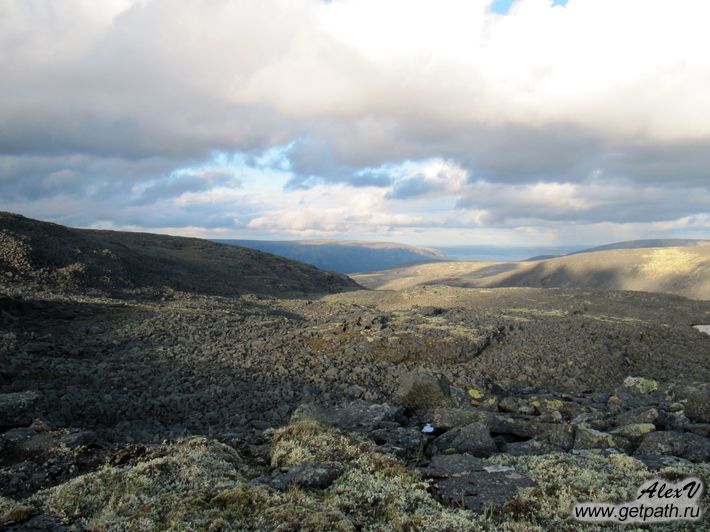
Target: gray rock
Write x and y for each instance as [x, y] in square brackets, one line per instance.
[474, 438]
[559, 435]
[358, 416]
[530, 447]
[446, 465]
[659, 461]
[586, 438]
[637, 415]
[84, 438]
[682, 444]
[697, 399]
[477, 487]
[17, 409]
[449, 418]
[39, 523]
[313, 475]
[419, 390]
[400, 441]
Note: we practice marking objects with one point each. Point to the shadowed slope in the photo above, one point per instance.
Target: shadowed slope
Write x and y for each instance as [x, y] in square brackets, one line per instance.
[52, 255]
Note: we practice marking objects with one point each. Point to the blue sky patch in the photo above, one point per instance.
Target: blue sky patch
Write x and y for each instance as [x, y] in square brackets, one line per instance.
[503, 6]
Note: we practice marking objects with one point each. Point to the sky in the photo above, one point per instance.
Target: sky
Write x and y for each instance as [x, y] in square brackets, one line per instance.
[428, 122]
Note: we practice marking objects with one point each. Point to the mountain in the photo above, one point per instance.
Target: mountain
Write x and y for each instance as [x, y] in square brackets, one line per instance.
[683, 270]
[48, 254]
[648, 243]
[345, 256]
[354, 410]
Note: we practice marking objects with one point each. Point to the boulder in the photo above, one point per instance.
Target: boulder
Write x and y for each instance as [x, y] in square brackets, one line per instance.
[697, 402]
[587, 438]
[682, 444]
[634, 432]
[420, 390]
[358, 416]
[17, 409]
[312, 475]
[637, 415]
[530, 447]
[474, 439]
[399, 441]
[462, 479]
[449, 418]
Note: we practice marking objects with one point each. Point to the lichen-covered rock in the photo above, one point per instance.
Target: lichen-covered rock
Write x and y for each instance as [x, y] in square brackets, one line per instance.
[633, 432]
[586, 438]
[474, 438]
[640, 384]
[637, 415]
[683, 444]
[420, 390]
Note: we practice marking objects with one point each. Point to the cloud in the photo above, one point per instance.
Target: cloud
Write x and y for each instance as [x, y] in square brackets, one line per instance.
[588, 112]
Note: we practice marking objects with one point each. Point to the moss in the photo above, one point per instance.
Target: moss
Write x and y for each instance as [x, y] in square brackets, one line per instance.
[564, 479]
[310, 441]
[12, 511]
[141, 495]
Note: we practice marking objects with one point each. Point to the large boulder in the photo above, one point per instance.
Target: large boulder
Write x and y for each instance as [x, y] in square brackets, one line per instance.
[682, 444]
[462, 479]
[474, 439]
[17, 409]
[421, 390]
[697, 402]
[358, 416]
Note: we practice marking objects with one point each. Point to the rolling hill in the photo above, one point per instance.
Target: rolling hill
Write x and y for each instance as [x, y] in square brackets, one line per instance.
[682, 270]
[647, 243]
[51, 255]
[345, 256]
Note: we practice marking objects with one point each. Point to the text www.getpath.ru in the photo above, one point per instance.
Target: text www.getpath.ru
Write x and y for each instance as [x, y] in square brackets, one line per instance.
[657, 501]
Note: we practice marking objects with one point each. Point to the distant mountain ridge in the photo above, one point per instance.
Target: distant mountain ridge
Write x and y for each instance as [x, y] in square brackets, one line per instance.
[345, 256]
[680, 270]
[49, 255]
[645, 243]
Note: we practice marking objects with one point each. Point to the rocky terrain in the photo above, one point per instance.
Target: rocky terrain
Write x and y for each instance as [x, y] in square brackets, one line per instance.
[139, 406]
[680, 270]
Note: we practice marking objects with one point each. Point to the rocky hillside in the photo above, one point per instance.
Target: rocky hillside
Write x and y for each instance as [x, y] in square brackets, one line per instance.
[429, 409]
[46, 254]
[682, 271]
[345, 256]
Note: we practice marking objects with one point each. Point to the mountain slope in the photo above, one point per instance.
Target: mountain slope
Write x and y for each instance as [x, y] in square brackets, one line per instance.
[648, 243]
[682, 271]
[51, 255]
[345, 256]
